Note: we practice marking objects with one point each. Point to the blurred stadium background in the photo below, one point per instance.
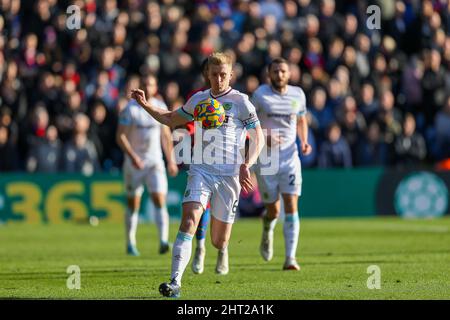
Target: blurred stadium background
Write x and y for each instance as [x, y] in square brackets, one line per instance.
[378, 99]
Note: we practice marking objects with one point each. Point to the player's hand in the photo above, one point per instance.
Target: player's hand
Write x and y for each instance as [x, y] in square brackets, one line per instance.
[172, 168]
[273, 140]
[244, 178]
[139, 96]
[306, 148]
[137, 162]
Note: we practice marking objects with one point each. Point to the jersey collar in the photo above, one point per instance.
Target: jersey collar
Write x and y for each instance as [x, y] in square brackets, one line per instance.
[220, 95]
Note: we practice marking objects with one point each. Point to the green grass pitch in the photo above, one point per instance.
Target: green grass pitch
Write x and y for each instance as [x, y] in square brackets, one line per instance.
[413, 256]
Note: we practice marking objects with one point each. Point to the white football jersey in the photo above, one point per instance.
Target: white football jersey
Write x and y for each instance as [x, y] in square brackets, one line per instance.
[145, 132]
[280, 111]
[221, 148]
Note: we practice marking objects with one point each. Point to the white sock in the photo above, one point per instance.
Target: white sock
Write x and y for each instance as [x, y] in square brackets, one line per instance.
[162, 223]
[269, 225]
[223, 250]
[291, 231]
[201, 243]
[131, 223]
[181, 254]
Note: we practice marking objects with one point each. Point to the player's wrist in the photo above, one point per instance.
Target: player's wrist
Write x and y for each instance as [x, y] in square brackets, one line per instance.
[245, 165]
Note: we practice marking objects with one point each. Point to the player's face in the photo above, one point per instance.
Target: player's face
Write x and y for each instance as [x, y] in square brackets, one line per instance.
[219, 77]
[279, 75]
[151, 86]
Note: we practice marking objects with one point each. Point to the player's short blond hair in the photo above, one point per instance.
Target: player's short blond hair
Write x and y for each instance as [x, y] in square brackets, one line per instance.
[218, 58]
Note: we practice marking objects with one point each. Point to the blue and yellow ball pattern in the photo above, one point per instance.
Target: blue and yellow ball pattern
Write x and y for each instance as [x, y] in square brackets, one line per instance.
[210, 113]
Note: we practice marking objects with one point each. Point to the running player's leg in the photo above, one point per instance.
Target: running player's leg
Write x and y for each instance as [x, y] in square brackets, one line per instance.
[161, 220]
[202, 228]
[200, 252]
[157, 186]
[182, 248]
[220, 236]
[131, 223]
[196, 197]
[268, 187]
[224, 204]
[134, 189]
[290, 186]
[291, 230]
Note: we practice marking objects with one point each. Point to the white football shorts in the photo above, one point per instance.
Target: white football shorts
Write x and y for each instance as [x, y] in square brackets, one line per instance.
[153, 176]
[222, 192]
[288, 180]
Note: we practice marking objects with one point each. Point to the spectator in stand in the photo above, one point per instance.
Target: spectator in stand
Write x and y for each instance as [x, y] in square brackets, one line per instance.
[79, 153]
[6, 120]
[433, 84]
[372, 151]
[442, 125]
[321, 114]
[335, 151]
[410, 148]
[388, 118]
[10, 157]
[368, 104]
[102, 128]
[45, 154]
[352, 124]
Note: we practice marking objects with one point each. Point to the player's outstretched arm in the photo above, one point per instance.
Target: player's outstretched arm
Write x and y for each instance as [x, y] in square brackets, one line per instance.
[302, 131]
[169, 118]
[256, 144]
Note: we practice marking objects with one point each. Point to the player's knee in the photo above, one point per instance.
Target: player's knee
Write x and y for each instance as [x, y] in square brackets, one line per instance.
[273, 213]
[133, 203]
[188, 225]
[158, 200]
[290, 208]
[219, 243]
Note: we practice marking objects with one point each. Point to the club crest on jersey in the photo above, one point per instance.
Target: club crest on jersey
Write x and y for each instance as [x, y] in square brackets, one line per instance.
[227, 105]
[294, 104]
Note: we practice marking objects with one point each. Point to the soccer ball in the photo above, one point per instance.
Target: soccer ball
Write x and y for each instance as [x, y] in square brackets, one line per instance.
[210, 113]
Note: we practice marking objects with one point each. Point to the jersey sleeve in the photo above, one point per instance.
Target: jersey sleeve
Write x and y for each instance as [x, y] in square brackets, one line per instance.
[248, 114]
[302, 103]
[255, 101]
[125, 116]
[187, 110]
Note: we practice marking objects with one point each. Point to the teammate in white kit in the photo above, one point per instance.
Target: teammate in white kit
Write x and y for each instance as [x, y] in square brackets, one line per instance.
[281, 110]
[218, 182]
[141, 137]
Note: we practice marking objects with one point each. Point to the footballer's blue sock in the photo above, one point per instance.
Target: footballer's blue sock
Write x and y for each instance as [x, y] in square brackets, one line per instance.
[162, 223]
[291, 231]
[200, 235]
[131, 223]
[181, 254]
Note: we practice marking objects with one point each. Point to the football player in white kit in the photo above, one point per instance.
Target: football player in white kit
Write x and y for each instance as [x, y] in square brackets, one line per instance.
[219, 183]
[141, 137]
[281, 109]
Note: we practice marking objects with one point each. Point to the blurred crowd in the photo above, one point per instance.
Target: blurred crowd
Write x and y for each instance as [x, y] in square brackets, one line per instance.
[375, 96]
